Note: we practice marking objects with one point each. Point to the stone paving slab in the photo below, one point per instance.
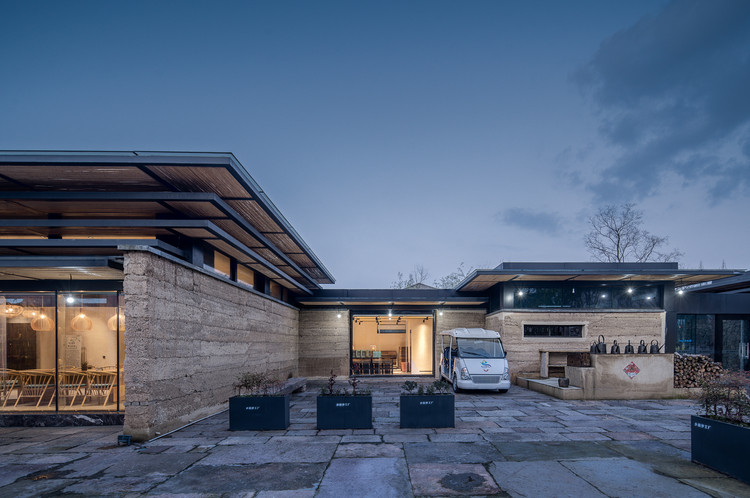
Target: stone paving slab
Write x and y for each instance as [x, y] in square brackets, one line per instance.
[613, 477]
[451, 452]
[554, 450]
[523, 479]
[445, 479]
[366, 477]
[223, 479]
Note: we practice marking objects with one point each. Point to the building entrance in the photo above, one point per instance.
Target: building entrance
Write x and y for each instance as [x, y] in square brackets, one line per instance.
[392, 345]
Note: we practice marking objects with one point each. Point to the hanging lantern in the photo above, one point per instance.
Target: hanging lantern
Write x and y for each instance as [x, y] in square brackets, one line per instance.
[81, 323]
[12, 310]
[42, 323]
[112, 322]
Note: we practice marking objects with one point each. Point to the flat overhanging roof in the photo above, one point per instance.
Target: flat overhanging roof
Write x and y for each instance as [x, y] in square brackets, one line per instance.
[126, 186]
[481, 280]
[391, 297]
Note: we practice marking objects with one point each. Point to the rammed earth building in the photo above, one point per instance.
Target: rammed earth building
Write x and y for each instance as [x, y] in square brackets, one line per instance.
[135, 286]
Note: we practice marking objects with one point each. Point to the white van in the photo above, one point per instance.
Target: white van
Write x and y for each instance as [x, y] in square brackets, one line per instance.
[474, 359]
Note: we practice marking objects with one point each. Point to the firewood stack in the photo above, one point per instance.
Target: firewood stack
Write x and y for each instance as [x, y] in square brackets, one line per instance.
[689, 369]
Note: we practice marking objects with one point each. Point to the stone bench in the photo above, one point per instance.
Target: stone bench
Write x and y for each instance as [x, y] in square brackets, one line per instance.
[293, 385]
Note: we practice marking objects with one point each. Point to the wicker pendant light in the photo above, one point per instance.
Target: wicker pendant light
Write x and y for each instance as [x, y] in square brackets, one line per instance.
[42, 323]
[112, 322]
[12, 310]
[81, 323]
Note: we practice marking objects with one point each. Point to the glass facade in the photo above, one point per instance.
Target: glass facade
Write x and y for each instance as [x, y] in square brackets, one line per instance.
[571, 296]
[695, 334]
[61, 351]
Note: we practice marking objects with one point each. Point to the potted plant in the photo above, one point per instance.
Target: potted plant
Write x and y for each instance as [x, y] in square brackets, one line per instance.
[720, 436]
[258, 404]
[433, 406]
[338, 409]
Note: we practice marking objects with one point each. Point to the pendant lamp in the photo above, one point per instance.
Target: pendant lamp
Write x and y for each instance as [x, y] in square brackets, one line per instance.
[12, 310]
[112, 322]
[81, 323]
[42, 323]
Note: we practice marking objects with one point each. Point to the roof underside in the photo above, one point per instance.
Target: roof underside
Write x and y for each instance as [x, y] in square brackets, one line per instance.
[481, 280]
[143, 195]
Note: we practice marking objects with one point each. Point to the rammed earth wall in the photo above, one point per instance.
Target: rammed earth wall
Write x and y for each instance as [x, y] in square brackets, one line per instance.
[188, 336]
[523, 352]
[323, 343]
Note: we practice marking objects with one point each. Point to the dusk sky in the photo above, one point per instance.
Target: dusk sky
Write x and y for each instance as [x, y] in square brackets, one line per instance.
[399, 133]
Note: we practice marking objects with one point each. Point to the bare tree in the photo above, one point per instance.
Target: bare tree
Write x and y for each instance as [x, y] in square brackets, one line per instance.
[616, 236]
[417, 276]
[452, 279]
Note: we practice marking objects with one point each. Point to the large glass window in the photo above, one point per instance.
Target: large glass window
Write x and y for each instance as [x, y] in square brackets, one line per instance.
[392, 345]
[27, 351]
[61, 351]
[695, 334]
[605, 296]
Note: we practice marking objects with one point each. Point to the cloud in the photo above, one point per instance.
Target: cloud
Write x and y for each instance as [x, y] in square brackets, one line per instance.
[672, 96]
[537, 221]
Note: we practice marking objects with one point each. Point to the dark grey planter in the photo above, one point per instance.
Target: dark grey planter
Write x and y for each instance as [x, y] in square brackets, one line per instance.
[344, 412]
[258, 413]
[429, 410]
[721, 446]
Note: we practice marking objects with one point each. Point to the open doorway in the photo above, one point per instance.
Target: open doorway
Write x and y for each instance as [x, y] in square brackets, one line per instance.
[392, 345]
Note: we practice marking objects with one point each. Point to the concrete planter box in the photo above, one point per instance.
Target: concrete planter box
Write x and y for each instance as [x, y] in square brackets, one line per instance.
[258, 413]
[721, 446]
[344, 412]
[429, 410]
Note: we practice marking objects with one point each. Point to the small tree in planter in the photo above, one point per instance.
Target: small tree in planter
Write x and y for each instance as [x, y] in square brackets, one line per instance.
[338, 409]
[433, 406]
[258, 405]
[720, 436]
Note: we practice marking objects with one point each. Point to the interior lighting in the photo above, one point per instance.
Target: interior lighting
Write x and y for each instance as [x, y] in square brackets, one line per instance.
[390, 313]
[520, 293]
[604, 295]
[649, 298]
[338, 315]
[12, 310]
[112, 322]
[42, 323]
[630, 290]
[680, 292]
[440, 313]
[70, 300]
[81, 323]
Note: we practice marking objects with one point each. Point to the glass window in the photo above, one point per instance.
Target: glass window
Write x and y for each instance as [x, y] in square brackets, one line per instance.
[609, 296]
[245, 275]
[695, 334]
[553, 330]
[480, 348]
[87, 351]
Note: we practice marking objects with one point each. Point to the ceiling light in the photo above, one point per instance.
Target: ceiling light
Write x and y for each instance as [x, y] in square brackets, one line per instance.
[338, 315]
[680, 292]
[70, 299]
[440, 313]
[604, 295]
[520, 293]
[630, 290]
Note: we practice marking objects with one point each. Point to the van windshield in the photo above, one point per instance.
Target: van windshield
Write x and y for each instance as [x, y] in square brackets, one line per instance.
[480, 348]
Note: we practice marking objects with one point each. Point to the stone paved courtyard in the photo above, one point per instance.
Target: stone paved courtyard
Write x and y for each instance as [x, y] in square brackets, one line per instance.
[517, 444]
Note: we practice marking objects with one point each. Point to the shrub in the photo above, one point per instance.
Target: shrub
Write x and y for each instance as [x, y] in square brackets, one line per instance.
[726, 397]
[257, 384]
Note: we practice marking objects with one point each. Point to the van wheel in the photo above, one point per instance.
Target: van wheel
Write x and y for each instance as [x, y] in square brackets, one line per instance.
[453, 384]
[502, 391]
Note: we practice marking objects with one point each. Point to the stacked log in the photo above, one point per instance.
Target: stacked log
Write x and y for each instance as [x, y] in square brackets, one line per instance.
[689, 369]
